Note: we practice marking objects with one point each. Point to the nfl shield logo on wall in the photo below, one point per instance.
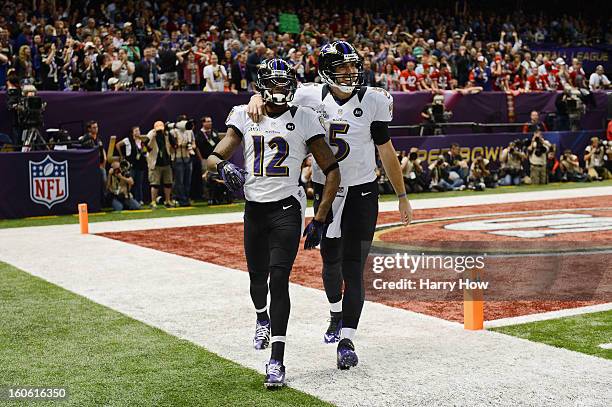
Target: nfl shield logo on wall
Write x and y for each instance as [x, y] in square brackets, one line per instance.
[48, 182]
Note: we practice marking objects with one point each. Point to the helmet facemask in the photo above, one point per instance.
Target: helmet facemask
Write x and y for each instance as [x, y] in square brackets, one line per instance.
[345, 82]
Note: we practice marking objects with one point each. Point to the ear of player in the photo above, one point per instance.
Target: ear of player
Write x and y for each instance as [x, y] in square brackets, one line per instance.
[233, 176]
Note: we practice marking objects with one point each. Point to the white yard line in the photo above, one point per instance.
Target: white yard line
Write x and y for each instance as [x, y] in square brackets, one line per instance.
[523, 319]
[407, 359]
[606, 346]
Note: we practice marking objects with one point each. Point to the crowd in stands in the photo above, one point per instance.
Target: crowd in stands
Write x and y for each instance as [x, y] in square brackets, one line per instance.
[216, 45]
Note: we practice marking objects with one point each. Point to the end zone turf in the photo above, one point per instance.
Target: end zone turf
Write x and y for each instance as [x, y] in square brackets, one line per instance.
[52, 337]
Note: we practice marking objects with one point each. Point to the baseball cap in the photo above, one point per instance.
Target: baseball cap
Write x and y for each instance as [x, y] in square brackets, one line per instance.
[159, 125]
[559, 61]
[480, 58]
[89, 44]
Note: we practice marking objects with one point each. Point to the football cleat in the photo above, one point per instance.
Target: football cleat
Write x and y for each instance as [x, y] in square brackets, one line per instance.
[275, 374]
[332, 335]
[262, 335]
[347, 357]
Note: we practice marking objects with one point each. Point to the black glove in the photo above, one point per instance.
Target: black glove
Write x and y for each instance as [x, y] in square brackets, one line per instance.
[233, 176]
[314, 234]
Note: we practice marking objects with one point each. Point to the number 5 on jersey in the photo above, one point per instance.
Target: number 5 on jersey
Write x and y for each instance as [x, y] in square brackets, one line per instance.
[336, 128]
[274, 167]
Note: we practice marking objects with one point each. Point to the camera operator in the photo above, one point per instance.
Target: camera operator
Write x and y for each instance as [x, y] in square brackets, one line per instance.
[570, 168]
[119, 185]
[13, 96]
[182, 132]
[442, 178]
[537, 151]
[480, 176]
[512, 157]
[412, 170]
[433, 115]
[570, 108]
[594, 159]
[159, 159]
[534, 123]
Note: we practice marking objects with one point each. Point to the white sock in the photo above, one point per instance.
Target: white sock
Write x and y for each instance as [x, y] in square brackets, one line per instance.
[336, 306]
[278, 339]
[348, 333]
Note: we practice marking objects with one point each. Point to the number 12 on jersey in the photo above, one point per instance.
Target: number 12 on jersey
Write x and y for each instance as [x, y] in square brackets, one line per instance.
[274, 167]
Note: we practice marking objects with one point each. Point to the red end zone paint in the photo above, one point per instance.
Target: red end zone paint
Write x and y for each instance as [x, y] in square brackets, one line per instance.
[223, 245]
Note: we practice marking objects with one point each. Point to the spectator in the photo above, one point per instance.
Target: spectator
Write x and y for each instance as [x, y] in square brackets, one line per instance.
[481, 75]
[158, 163]
[535, 124]
[239, 81]
[538, 152]
[167, 65]
[148, 69]
[133, 150]
[119, 185]
[215, 75]
[369, 77]
[123, 69]
[253, 62]
[511, 160]
[598, 80]
[191, 71]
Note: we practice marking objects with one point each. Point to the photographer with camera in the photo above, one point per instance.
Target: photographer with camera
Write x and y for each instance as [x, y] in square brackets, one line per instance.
[433, 115]
[570, 168]
[511, 159]
[480, 176]
[119, 185]
[570, 108]
[594, 158]
[538, 151]
[412, 170]
[442, 178]
[160, 145]
[183, 146]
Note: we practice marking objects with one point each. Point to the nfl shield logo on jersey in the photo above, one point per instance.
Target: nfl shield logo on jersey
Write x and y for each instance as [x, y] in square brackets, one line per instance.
[48, 182]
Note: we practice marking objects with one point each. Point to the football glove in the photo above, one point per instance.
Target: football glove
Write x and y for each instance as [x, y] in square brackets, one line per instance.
[314, 234]
[232, 176]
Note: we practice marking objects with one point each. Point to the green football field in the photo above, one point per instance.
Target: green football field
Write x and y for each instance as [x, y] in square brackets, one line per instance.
[581, 333]
[53, 338]
[203, 208]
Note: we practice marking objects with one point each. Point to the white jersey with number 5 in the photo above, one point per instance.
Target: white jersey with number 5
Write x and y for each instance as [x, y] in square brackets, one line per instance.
[348, 128]
[274, 150]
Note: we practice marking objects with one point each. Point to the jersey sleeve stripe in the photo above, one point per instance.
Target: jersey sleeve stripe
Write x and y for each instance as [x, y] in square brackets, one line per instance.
[314, 138]
[236, 129]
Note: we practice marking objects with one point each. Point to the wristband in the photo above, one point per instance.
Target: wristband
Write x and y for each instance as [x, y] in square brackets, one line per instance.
[400, 196]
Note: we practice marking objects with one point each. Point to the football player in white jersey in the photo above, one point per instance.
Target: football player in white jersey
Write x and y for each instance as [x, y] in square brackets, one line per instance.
[274, 150]
[357, 119]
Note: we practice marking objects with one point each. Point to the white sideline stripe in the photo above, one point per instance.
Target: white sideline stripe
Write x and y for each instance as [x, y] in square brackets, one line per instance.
[406, 359]
[523, 319]
[430, 203]
[606, 346]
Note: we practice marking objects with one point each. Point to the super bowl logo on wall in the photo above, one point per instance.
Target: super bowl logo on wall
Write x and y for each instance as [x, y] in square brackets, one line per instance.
[48, 182]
